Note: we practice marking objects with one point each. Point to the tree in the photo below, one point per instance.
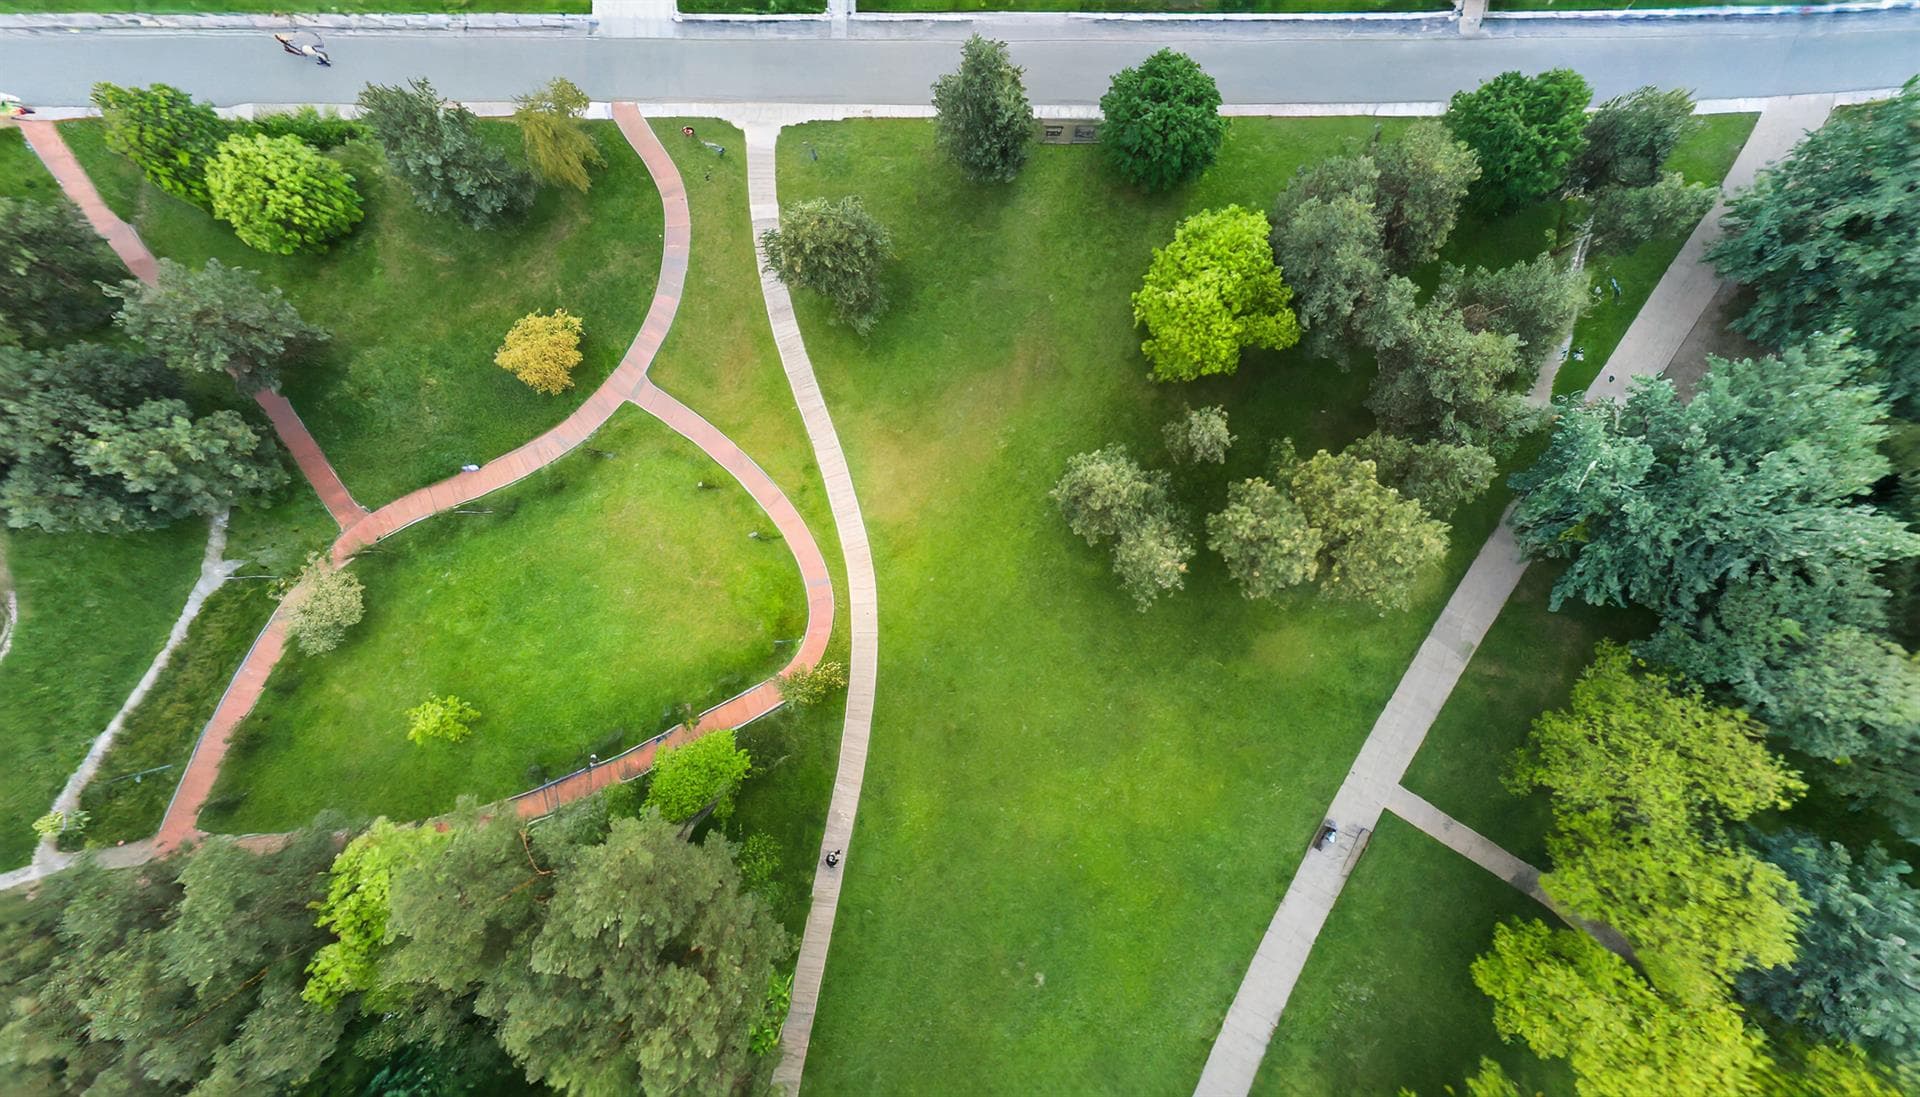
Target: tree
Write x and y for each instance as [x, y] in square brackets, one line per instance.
[1825, 239]
[1857, 976]
[1212, 293]
[280, 195]
[558, 147]
[1264, 539]
[1624, 218]
[51, 265]
[808, 686]
[1374, 545]
[1650, 856]
[1534, 300]
[355, 910]
[218, 319]
[1424, 176]
[1525, 131]
[836, 249]
[1163, 125]
[542, 350]
[1440, 380]
[982, 119]
[1199, 435]
[167, 135]
[437, 150]
[323, 605]
[1439, 476]
[649, 971]
[1103, 495]
[92, 439]
[697, 776]
[1326, 238]
[448, 719]
[1755, 481]
[1630, 137]
[1568, 998]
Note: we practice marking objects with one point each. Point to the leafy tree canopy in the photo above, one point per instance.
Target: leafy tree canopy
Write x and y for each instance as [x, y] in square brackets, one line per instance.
[559, 148]
[1212, 293]
[1200, 434]
[1163, 125]
[280, 195]
[1440, 380]
[1104, 494]
[1625, 218]
[836, 249]
[165, 133]
[1525, 131]
[437, 150]
[218, 319]
[1374, 545]
[1631, 136]
[982, 119]
[1440, 476]
[1264, 539]
[1424, 176]
[51, 267]
[1534, 300]
[690, 778]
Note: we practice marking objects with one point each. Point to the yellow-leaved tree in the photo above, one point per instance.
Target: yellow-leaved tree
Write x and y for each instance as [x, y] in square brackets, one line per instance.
[542, 350]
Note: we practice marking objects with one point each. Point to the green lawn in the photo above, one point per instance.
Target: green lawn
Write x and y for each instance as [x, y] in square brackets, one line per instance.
[720, 360]
[1176, 6]
[575, 610]
[94, 610]
[1703, 157]
[21, 174]
[1526, 666]
[1077, 818]
[458, 7]
[407, 390]
[1386, 999]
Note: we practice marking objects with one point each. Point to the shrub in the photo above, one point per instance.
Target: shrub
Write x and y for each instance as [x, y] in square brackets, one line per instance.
[1163, 124]
[1211, 293]
[687, 779]
[542, 351]
[759, 861]
[1102, 495]
[983, 121]
[836, 249]
[321, 129]
[51, 265]
[56, 823]
[444, 718]
[280, 195]
[558, 147]
[164, 132]
[1264, 539]
[326, 603]
[1199, 435]
[438, 152]
[808, 687]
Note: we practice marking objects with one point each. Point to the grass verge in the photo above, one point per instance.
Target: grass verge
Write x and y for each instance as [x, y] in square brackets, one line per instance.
[276, 7]
[575, 610]
[406, 392]
[94, 610]
[1385, 1000]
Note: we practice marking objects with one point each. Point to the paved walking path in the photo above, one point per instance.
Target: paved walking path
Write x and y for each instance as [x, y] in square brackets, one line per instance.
[863, 664]
[1374, 779]
[359, 528]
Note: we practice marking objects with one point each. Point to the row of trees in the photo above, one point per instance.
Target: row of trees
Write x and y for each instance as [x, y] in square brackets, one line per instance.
[597, 953]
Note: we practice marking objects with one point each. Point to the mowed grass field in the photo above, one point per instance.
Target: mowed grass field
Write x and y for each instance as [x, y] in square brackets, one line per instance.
[406, 391]
[576, 610]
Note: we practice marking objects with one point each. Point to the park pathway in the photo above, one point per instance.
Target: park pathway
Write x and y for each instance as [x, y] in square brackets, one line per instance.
[1372, 785]
[627, 384]
[763, 197]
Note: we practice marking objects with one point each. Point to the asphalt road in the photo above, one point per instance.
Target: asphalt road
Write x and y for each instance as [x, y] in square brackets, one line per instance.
[1715, 60]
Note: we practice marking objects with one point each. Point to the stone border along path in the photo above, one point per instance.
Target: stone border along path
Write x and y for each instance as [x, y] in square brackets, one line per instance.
[359, 528]
[1372, 785]
[862, 606]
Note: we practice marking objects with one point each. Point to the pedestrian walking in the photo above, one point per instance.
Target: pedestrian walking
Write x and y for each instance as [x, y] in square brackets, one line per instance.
[305, 44]
[469, 468]
[1615, 283]
[833, 858]
[12, 107]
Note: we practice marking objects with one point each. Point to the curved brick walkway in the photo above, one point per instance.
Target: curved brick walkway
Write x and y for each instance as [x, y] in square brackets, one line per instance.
[359, 528]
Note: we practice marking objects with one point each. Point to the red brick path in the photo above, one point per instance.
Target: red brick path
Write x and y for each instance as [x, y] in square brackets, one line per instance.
[627, 383]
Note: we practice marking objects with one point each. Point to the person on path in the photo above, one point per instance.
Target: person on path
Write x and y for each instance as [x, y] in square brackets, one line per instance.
[833, 858]
[12, 107]
[304, 49]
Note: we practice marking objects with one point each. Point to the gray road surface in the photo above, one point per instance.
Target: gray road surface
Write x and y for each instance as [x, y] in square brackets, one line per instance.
[1717, 59]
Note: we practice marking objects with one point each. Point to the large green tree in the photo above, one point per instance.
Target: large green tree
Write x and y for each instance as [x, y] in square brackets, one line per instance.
[1374, 544]
[1441, 380]
[1264, 539]
[1526, 132]
[436, 149]
[1534, 300]
[1440, 476]
[1326, 238]
[838, 250]
[557, 143]
[1625, 218]
[1212, 293]
[164, 132]
[218, 319]
[93, 438]
[1651, 856]
[1826, 239]
[1104, 495]
[982, 119]
[698, 776]
[1631, 136]
[51, 267]
[1857, 976]
[280, 195]
[1162, 121]
[1424, 176]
